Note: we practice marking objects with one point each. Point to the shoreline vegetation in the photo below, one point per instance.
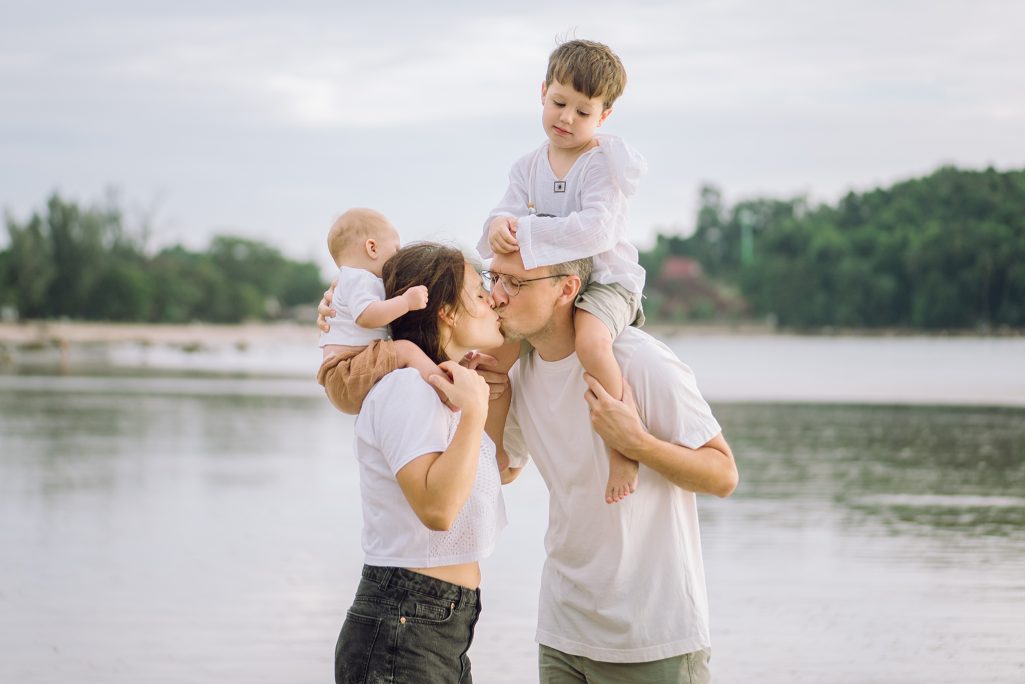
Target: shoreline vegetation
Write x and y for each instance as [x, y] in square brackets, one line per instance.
[940, 253]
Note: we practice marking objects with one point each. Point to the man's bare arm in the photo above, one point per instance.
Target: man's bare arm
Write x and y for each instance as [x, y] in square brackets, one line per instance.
[709, 469]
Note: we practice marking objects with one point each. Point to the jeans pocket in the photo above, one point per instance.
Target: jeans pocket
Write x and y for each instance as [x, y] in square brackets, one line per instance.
[424, 611]
[355, 648]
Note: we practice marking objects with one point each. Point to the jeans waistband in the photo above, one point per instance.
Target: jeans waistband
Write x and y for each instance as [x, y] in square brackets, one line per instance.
[414, 581]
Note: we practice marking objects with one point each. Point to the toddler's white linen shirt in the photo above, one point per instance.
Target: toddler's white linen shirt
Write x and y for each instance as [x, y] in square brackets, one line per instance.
[588, 215]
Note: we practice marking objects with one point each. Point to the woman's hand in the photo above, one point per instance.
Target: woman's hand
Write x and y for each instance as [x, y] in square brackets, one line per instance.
[486, 366]
[324, 310]
[464, 388]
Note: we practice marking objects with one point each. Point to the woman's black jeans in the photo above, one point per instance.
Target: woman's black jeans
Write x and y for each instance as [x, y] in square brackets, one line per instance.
[407, 628]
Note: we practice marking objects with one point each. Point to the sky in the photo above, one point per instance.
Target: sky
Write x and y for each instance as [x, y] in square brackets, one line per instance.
[267, 121]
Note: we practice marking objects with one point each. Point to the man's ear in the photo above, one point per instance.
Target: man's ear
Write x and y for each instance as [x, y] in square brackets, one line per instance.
[571, 287]
[604, 115]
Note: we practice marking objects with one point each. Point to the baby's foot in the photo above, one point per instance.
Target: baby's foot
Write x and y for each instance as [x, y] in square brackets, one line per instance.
[622, 477]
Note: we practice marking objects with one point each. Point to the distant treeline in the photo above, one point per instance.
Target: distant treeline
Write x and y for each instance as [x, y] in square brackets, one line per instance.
[942, 252]
[81, 263]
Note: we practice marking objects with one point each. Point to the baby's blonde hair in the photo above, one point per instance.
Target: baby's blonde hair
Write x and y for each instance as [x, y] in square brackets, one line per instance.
[353, 228]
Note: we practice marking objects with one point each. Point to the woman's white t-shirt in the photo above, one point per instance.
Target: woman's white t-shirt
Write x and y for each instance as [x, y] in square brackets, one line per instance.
[402, 419]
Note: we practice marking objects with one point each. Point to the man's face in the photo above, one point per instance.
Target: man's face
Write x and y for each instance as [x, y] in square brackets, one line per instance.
[531, 310]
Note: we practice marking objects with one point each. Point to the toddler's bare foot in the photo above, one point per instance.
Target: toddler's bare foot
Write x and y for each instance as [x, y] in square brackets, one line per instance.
[622, 478]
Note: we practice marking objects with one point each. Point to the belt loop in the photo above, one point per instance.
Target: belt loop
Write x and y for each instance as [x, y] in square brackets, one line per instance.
[385, 578]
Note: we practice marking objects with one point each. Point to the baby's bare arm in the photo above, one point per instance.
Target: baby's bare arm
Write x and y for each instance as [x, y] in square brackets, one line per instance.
[380, 314]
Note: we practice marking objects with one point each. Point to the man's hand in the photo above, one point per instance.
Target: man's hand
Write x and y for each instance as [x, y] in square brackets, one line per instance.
[416, 297]
[502, 235]
[486, 366]
[617, 422]
[324, 310]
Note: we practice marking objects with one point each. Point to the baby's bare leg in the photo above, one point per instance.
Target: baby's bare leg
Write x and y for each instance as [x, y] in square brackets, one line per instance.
[594, 349]
[409, 355]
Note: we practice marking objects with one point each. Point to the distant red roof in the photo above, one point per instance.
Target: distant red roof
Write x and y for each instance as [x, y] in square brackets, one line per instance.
[680, 268]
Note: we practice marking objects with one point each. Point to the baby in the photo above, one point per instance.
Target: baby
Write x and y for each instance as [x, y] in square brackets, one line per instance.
[357, 348]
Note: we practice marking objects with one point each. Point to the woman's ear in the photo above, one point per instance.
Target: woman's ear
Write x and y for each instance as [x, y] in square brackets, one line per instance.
[447, 316]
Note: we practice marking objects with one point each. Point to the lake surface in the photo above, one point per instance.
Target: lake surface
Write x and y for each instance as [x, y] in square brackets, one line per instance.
[203, 529]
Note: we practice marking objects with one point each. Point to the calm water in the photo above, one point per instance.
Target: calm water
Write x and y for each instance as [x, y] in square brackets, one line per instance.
[200, 530]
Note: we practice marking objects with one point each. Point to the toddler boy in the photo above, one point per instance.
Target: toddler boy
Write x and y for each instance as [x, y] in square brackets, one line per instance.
[566, 200]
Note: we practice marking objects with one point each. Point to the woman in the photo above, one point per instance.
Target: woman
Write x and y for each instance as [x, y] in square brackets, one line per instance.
[430, 486]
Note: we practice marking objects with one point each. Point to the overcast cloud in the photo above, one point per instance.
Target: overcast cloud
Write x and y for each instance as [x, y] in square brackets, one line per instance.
[268, 121]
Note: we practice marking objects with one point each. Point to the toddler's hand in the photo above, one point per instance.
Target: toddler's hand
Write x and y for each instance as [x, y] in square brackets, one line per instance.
[416, 297]
[502, 235]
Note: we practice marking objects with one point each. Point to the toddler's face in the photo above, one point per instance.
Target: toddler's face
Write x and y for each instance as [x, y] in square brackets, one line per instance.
[569, 117]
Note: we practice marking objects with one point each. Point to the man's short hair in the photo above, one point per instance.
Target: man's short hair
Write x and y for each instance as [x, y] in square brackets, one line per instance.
[579, 267]
[591, 68]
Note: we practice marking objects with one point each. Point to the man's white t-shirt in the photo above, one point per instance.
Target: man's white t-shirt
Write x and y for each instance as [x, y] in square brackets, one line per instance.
[356, 290]
[623, 582]
[402, 418]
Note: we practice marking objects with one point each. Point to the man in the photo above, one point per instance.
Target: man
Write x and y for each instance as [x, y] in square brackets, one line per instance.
[623, 594]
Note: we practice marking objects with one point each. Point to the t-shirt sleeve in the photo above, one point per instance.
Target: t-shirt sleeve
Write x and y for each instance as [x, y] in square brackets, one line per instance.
[358, 289]
[515, 445]
[409, 419]
[668, 398]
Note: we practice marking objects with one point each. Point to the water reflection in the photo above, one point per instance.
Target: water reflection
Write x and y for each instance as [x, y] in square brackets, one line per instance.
[189, 530]
[904, 467]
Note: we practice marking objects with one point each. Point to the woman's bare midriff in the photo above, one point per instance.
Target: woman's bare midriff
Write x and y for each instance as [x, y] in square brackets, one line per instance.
[464, 574]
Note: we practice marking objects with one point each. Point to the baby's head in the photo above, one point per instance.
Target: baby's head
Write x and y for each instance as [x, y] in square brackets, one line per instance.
[362, 238]
[583, 81]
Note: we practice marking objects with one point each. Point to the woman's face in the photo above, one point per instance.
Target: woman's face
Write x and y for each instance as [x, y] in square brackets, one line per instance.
[476, 325]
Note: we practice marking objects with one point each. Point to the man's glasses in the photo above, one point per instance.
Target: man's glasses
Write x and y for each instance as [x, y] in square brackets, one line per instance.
[511, 284]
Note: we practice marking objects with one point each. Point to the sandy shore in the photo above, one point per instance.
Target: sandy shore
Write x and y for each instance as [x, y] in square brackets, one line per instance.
[76, 332]
[733, 364]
